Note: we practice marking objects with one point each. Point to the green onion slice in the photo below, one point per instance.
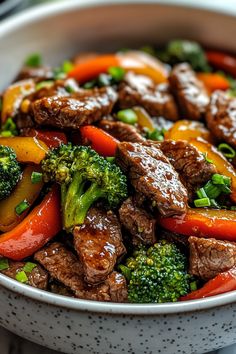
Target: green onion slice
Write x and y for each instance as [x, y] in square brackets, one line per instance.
[20, 208]
[203, 202]
[34, 60]
[36, 177]
[29, 266]
[4, 264]
[227, 150]
[21, 277]
[127, 116]
[117, 73]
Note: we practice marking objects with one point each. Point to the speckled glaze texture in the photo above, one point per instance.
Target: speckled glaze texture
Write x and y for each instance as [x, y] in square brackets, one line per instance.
[73, 331]
[78, 326]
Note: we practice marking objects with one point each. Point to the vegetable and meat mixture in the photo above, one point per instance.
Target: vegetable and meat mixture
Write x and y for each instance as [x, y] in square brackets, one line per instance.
[118, 175]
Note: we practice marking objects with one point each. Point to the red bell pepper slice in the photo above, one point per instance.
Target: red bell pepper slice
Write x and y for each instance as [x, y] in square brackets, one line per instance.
[214, 81]
[52, 139]
[222, 61]
[200, 222]
[40, 226]
[222, 283]
[91, 68]
[103, 143]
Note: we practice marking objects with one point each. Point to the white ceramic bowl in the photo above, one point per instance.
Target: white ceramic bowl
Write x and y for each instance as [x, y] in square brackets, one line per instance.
[78, 326]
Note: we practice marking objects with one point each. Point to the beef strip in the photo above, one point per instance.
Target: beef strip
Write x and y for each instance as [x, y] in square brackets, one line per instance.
[117, 287]
[189, 91]
[65, 267]
[152, 175]
[138, 222]
[208, 257]
[24, 118]
[191, 165]
[38, 277]
[98, 243]
[221, 117]
[84, 107]
[139, 90]
[38, 74]
[121, 131]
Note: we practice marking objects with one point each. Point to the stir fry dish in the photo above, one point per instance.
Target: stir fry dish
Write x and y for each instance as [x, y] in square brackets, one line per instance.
[118, 179]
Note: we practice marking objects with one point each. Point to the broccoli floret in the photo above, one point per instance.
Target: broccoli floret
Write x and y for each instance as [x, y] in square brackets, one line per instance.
[9, 171]
[84, 177]
[156, 274]
[179, 50]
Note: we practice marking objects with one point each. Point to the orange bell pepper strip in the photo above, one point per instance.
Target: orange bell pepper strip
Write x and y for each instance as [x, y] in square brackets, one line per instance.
[222, 61]
[25, 190]
[52, 139]
[13, 97]
[28, 150]
[91, 68]
[214, 81]
[223, 166]
[138, 62]
[103, 143]
[187, 130]
[222, 283]
[144, 119]
[201, 222]
[40, 226]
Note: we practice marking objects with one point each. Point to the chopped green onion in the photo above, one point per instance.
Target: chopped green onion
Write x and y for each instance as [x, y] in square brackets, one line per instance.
[9, 128]
[67, 66]
[220, 179]
[34, 60]
[104, 80]
[233, 207]
[203, 202]
[90, 84]
[156, 135]
[69, 89]
[227, 150]
[125, 271]
[215, 204]
[44, 84]
[201, 193]
[36, 177]
[117, 73]
[110, 159]
[29, 266]
[127, 116]
[193, 285]
[4, 264]
[21, 277]
[20, 208]
[212, 191]
[206, 158]
[225, 189]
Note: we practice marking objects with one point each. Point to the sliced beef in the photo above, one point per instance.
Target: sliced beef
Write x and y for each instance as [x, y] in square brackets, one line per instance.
[221, 117]
[84, 107]
[38, 277]
[38, 74]
[24, 118]
[189, 91]
[98, 243]
[121, 131]
[65, 267]
[140, 224]
[208, 257]
[152, 175]
[139, 90]
[191, 165]
[117, 287]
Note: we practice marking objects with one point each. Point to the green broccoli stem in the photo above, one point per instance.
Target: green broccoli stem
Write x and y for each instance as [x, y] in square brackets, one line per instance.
[76, 202]
[82, 204]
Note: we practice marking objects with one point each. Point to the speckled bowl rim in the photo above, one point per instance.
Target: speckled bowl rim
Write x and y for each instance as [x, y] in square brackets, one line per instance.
[44, 11]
